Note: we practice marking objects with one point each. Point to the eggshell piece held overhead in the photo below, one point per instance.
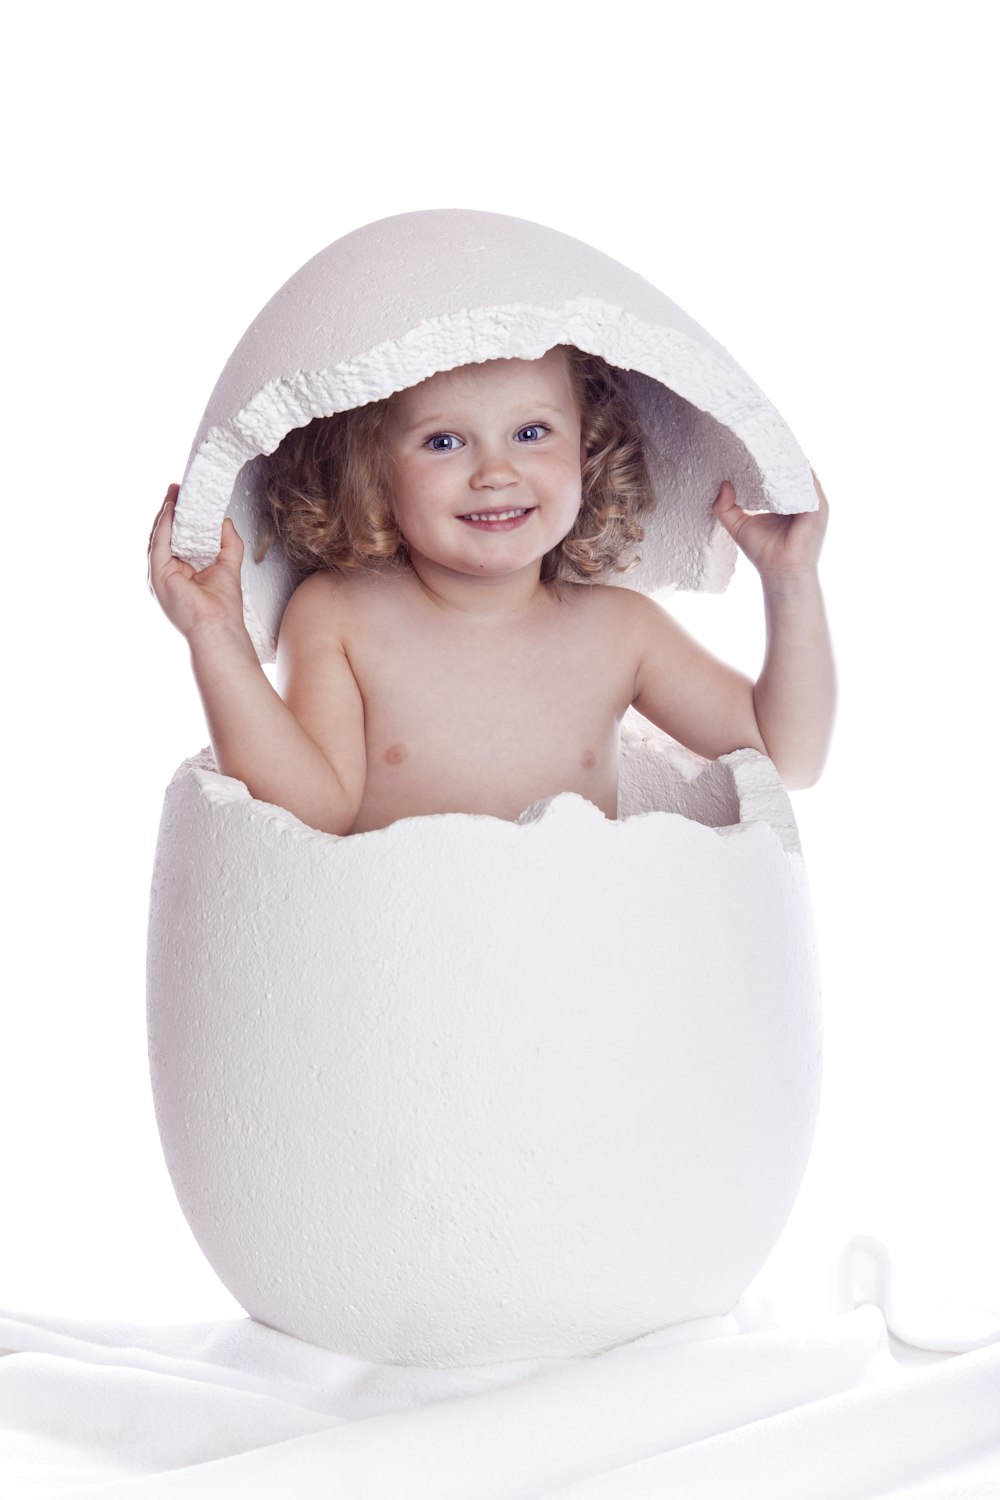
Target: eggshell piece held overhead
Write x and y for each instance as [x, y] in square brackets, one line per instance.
[395, 301]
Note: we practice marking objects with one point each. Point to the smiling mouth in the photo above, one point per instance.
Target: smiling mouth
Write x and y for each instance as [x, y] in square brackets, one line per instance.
[498, 517]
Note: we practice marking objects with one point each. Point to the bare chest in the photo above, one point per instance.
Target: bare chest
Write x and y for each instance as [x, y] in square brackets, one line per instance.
[488, 720]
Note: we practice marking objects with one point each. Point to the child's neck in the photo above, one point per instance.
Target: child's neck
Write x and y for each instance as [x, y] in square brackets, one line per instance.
[508, 594]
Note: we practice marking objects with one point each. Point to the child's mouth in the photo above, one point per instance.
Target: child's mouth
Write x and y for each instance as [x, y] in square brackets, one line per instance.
[498, 520]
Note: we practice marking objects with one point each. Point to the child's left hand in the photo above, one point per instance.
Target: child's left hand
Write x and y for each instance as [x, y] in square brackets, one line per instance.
[775, 544]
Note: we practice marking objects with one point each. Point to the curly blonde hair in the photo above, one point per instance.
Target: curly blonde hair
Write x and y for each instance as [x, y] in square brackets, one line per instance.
[328, 487]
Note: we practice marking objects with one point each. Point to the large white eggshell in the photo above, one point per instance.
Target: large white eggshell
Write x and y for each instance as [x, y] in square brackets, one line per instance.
[462, 1090]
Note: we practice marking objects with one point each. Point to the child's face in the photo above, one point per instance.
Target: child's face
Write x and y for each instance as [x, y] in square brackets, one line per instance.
[493, 437]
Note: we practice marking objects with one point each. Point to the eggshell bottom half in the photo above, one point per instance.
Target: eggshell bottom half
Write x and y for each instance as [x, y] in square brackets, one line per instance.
[464, 1090]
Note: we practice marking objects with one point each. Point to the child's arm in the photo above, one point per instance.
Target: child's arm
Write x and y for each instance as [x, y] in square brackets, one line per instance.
[788, 713]
[255, 736]
[796, 692]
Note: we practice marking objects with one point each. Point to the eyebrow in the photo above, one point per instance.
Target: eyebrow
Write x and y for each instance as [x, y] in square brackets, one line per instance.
[443, 417]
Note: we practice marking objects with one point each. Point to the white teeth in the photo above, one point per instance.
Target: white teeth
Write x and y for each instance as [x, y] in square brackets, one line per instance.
[497, 515]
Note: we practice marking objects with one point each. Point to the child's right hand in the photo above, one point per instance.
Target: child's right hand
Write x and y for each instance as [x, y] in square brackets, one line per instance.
[193, 599]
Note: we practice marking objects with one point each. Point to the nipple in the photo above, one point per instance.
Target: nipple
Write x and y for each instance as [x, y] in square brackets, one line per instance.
[588, 760]
[396, 753]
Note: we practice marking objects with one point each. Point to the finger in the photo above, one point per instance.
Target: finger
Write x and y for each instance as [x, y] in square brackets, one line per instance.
[154, 552]
[159, 538]
[161, 561]
[725, 507]
[231, 544]
[169, 499]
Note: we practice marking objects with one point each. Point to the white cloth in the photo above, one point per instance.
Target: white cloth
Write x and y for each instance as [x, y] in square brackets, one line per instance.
[852, 1403]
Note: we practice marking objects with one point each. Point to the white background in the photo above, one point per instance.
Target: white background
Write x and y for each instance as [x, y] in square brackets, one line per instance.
[814, 187]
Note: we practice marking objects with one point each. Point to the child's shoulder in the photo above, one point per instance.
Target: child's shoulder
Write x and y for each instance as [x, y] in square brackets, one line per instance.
[633, 618]
[327, 602]
[327, 589]
[613, 601]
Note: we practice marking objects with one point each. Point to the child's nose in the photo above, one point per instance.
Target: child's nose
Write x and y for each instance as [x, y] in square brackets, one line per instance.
[494, 468]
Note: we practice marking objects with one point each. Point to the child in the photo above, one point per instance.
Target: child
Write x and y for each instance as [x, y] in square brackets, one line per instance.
[440, 656]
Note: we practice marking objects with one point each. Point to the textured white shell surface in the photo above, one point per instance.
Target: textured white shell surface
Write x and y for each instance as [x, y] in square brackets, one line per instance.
[395, 301]
[463, 1090]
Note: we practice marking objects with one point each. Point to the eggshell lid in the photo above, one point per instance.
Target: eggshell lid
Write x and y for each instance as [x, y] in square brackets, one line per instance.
[395, 301]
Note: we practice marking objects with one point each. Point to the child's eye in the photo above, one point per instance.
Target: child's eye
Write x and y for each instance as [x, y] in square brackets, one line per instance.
[440, 437]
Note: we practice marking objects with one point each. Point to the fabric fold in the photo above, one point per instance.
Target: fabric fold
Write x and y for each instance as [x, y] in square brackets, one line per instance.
[759, 1403]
